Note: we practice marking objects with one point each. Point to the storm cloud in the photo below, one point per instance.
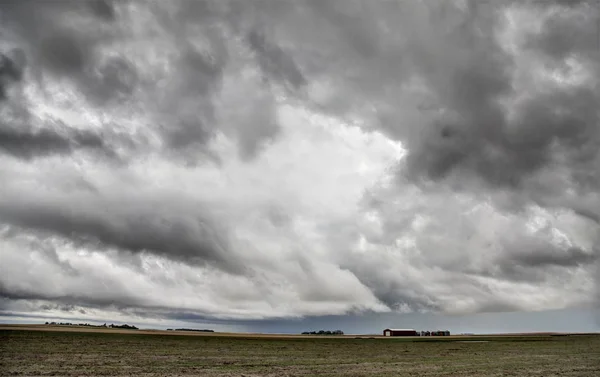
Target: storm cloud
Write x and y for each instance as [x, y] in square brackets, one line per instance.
[44, 142]
[275, 159]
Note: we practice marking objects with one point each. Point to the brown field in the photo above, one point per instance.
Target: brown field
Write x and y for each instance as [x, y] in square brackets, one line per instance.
[35, 350]
[74, 328]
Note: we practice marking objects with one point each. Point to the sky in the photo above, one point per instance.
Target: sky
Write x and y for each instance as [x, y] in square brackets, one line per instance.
[282, 166]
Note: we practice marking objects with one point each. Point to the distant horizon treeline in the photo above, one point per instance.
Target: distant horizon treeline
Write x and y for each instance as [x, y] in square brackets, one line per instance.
[199, 330]
[434, 333]
[112, 326]
[324, 332]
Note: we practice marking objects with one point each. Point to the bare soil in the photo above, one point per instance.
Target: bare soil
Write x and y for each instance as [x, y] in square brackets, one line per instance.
[75, 351]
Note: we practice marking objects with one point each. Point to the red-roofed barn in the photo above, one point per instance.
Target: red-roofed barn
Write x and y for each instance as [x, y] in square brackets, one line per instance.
[399, 332]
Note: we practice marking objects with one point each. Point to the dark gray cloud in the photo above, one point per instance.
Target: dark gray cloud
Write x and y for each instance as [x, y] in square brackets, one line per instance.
[395, 294]
[18, 135]
[474, 137]
[565, 34]
[11, 70]
[589, 214]
[115, 299]
[103, 9]
[63, 53]
[274, 62]
[83, 43]
[537, 265]
[570, 257]
[192, 239]
[28, 145]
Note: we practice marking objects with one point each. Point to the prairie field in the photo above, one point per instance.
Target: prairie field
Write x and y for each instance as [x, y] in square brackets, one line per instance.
[24, 352]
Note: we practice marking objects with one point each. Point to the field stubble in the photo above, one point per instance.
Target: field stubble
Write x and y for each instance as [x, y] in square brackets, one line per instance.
[29, 353]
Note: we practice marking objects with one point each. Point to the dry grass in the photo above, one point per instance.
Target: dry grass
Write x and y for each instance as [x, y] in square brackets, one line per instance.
[81, 352]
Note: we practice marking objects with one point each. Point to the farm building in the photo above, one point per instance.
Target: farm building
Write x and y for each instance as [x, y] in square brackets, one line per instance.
[400, 332]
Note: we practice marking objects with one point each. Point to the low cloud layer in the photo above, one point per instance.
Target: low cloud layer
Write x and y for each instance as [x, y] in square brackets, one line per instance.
[275, 159]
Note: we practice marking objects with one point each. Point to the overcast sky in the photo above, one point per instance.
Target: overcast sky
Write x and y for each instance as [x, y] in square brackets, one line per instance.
[258, 162]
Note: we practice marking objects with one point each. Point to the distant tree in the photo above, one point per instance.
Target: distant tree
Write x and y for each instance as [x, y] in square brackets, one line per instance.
[324, 332]
[125, 326]
[200, 330]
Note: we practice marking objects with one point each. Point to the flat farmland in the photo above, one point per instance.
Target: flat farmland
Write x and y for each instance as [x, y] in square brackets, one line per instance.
[125, 353]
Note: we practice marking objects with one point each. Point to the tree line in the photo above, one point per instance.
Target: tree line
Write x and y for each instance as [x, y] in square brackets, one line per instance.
[199, 330]
[323, 332]
[112, 326]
